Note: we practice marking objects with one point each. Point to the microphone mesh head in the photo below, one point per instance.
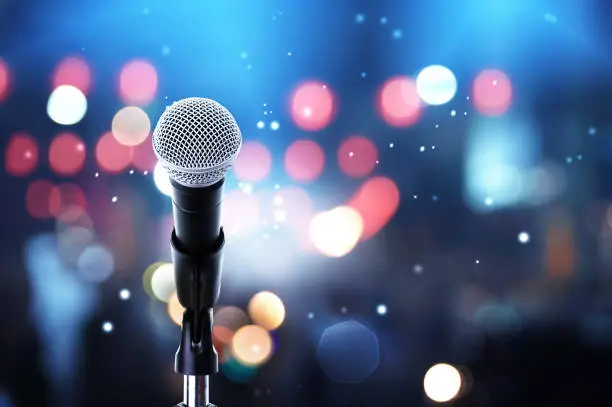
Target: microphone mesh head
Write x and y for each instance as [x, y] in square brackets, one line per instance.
[196, 140]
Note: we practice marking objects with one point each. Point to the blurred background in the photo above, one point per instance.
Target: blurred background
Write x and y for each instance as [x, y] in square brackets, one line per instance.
[418, 215]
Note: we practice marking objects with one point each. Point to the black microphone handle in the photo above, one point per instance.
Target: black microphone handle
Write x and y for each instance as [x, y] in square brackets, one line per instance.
[197, 216]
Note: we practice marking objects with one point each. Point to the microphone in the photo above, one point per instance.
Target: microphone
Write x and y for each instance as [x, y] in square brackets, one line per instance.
[196, 140]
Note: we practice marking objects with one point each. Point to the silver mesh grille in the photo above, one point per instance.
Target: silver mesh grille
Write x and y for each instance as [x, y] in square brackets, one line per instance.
[196, 140]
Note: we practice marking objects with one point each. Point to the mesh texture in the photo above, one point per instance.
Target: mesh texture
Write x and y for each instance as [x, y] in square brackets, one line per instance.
[196, 140]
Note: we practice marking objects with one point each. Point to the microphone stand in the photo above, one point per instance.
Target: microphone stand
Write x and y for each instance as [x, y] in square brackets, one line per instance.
[198, 283]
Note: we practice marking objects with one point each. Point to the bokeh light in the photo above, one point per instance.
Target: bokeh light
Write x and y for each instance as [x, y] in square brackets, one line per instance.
[357, 156]
[137, 82]
[239, 212]
[436, 85]
[162, 180]
[492, 92]
[398, 102]
[228, 320]
[96, 263]
[43, 199]
[175, 309]
[147, 278]
[253, 163]
[162, 282]
[267, 310]
[312, 106]
[336, 232]
[21, 156]
[252, 345]
[5, 80]
[112, 156]
[71, 241]
[67, 105]
[348, 352]
[442, 383]
[72, 203]
[376, 201]
[67, 154]
[131, 126]
[236, 371]
[304, 160]
[73, 71]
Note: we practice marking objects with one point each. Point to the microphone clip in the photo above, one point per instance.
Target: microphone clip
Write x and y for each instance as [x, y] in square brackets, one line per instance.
[198, 284]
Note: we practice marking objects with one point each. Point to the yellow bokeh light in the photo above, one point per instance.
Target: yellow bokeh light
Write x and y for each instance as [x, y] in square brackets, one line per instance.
[442, 383]
[251, 345]
[131, 126]
[336, 232]
[267, 310]
[162, 282]
[175, 310]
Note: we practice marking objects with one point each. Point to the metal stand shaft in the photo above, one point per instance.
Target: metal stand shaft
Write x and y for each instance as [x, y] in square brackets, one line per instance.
[195, 393]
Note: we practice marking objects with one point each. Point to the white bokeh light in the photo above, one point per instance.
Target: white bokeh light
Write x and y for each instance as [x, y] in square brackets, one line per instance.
[336, 232]
[67, 105]
[161, 179]
[523, 237]
[436, 85]
[442, 383]
[162, 282]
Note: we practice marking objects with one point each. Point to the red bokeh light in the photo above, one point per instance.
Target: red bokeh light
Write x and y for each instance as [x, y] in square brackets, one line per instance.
[312, 106]
[74, 71]
[73, 203]
[492, 92]
[137, 82]
[398, 102]
[240, 212]
[21, 155]
[253, 163]
[144, 158]
[357, 156]
[376, 201]
[43, 199]
[5, 80]
[304, 160]
[112, 156]
[67, 154]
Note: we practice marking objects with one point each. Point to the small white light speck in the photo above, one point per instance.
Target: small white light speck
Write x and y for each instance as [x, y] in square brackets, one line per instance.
[247, 188]
[391, 145]
[276, 186]
[433, 147]
[437, 126]
[310, 315]
[260, 125]
[131, 172]
[467, 98]
[488, 201]
[377, 161]
[381, 309]
[418, 269]
[465, 113]
[114, 199]
[274, 125]
[415, 196]
[453, 113]
[289, 53]
[97, 174]
[125, 294]
[523, 237]
[107, 327]
[422, 149]
[477, 261]
[351, 154]
[145, 173]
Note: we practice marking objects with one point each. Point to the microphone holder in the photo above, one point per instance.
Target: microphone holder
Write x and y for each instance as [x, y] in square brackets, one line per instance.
[198, 283]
